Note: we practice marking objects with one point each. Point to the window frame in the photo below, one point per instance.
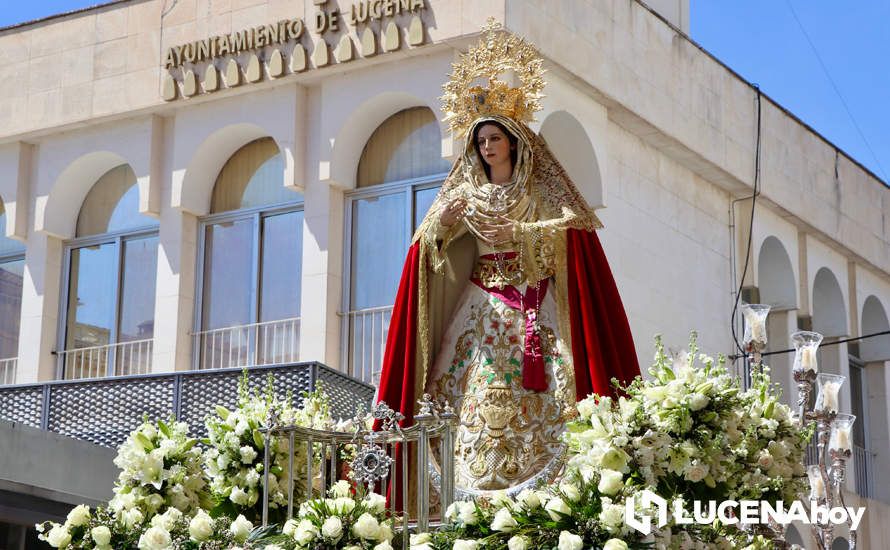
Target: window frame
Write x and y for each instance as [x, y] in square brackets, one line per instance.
[409, 187]
[115, 237]
[9, 258]
[256, 215]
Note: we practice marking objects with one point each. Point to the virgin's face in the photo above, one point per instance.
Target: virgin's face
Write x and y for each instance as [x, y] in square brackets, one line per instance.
[494, 145]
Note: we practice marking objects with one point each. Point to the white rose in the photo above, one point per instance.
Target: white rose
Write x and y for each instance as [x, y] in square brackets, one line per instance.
[290, 526]
[366, 527]
[58, 536]
[101, 535]
[201, 526]
[240, 528]
[570, 541]
[463, 544]
[500, 500]
[239, 496]
[247, 453]
[698, 401]
[78, 516]
[557, 508]
[420, 538]
[503, 521]
[467, 513]
[696, 470]
[343, 505]
[376, 503]
[341, 489]
[765, 459]
[352, 547]
[384, 533]
[615, 544]
[529, 499]
[612, 516]
[332, 528]
[305, 532]
[518, 542]
[133, 517]
[610, 482]
[154, 538]
[570, 491]
[385, 545]
[586, 407]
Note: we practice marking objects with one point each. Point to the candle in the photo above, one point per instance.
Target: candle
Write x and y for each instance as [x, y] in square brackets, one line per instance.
[808, 358]
[840, 439]
[829, 396]
[818, 487]
[817, 484]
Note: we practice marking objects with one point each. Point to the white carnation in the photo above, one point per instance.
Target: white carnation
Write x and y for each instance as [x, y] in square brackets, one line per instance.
[248, 454]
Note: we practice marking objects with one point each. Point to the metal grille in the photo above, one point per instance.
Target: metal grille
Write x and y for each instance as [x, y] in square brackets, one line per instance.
[22, 404]
[342, 390]
[201, 392]
[105, 411]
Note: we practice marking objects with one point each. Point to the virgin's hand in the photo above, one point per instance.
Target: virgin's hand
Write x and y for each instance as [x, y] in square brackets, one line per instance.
[498, 234]
[453, 212]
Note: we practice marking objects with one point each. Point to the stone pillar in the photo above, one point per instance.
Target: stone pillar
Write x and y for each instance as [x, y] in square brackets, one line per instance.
[40, 309]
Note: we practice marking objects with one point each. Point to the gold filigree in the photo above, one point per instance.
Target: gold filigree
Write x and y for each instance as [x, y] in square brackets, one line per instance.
[498, 52]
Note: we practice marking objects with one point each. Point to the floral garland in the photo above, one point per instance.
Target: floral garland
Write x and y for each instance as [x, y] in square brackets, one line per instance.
[687, 432]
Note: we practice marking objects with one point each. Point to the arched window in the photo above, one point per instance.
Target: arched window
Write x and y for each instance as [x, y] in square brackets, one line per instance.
[12, 270]
[111, 268]
[399, 174]
[250, 264]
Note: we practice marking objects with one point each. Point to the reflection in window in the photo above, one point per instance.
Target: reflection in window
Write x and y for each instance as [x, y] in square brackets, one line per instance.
[12, 272]
[112, 271]
[399, 174]
[252, 257]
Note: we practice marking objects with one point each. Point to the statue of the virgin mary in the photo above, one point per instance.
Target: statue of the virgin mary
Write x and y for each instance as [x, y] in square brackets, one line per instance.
[507, 307]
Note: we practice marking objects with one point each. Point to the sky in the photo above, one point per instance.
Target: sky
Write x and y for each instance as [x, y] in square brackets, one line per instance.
[823, 60]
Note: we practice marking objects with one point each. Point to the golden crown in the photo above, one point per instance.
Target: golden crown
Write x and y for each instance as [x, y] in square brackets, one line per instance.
[496, 53]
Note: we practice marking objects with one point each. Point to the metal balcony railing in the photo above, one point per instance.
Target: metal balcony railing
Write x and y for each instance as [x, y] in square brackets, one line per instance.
[266, 343]
[121, 359]
[7, 370]
[863, 471]
[366, 333]
[106, 410]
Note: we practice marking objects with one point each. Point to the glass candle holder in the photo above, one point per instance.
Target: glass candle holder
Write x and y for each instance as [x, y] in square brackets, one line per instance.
[842, 433]
[806, 344]
[817, 484]
[829, 391]
[755, 324]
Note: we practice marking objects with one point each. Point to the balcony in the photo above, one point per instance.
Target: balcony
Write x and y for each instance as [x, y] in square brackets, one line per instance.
[365, 342]
[7, 370]
[105, 410]
[121, 359]
[257, 344]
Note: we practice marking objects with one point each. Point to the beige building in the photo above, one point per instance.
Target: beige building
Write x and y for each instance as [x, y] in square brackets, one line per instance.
[201, 184]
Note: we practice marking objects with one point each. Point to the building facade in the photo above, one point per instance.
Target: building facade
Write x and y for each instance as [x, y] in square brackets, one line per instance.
[192, 184]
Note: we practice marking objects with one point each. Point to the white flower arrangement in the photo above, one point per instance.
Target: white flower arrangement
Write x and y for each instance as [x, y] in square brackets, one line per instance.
[234, 461]
[347, 519]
